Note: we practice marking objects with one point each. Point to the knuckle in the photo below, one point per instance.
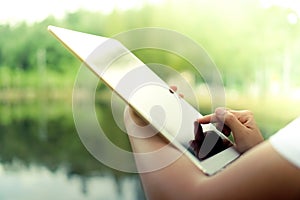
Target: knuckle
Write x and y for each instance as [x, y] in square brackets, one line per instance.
[248, 112]
[229, 117]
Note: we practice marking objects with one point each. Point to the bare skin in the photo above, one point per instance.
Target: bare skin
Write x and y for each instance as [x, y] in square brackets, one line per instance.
[260, 173]
[244, 129]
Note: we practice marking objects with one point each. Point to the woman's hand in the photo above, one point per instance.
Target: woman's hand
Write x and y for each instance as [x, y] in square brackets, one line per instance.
[241, 123]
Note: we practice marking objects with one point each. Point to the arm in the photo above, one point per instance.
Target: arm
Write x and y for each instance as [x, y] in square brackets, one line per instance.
[259, 174]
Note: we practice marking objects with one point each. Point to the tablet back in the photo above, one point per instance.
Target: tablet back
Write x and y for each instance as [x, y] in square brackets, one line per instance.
[143, 90]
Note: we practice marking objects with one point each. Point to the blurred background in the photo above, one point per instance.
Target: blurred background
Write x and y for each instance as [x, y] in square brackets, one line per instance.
[254, 43]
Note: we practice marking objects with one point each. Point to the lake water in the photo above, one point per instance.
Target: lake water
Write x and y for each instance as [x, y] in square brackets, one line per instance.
[42, 157]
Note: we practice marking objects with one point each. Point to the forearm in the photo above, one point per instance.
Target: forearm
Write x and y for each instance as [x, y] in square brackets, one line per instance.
[170, 175]
[259, 174]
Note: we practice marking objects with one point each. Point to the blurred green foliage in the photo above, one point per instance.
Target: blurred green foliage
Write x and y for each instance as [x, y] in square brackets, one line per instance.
[253, 47]
[242, 37]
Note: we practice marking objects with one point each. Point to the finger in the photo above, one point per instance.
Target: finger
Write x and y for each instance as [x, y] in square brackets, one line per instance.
[245, 117]
[136, 118]
[234, 124]
[216, 117]
[173, 87]
[208, 119]
[223, 128]
[181, 95]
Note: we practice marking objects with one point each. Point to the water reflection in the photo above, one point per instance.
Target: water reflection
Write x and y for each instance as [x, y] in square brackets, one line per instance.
[39, 183]
[42, 157]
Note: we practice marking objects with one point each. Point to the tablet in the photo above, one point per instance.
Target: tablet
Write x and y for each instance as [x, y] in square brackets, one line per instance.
[151, 98]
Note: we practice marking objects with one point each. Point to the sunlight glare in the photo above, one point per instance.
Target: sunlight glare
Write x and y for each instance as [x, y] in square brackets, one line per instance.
[31, 11]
